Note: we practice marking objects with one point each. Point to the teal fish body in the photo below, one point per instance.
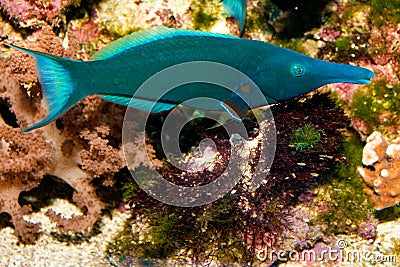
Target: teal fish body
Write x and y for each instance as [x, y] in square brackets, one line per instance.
[119, 69]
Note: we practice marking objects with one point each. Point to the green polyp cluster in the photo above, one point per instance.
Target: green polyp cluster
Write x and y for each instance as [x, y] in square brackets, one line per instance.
[204, 15]
[306, 138]
[345, 204]
[378, 106]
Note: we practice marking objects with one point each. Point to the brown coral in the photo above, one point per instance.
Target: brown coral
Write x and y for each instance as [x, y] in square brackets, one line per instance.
[100, 158]
[25, 159]
[85, 144]
[383, 179]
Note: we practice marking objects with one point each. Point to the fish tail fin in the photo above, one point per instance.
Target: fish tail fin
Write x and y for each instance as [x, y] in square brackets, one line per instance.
[57, 87]
[236, 9]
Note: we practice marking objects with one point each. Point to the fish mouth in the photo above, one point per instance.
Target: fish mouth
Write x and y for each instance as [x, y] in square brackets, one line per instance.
[362, 81]
[355, 81]
[357, 75]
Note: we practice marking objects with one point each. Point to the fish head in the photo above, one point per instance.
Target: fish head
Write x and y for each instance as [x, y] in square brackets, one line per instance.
[288, 74]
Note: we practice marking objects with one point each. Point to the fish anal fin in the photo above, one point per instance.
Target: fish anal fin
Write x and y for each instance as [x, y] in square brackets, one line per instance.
[140, 104]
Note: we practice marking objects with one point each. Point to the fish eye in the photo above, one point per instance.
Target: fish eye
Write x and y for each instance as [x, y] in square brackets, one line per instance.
[297, 70]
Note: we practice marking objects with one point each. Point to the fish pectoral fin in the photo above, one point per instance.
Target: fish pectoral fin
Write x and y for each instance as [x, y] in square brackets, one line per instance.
[235, 107]
[140, 104]
[233, 111]
[230, 115]
[218, 124]
[238, 102]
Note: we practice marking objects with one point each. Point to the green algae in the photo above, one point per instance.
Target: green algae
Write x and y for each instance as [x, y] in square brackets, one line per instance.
[156, 240]
[345, 204]
[385, 11]
[378, 106]
[204, 15]
[295, 44]
[389, 214]
[256, 22]
[306, 138]
[192, 233]
[203, 21]
[256, 19]
[343, 45]
[129, 190]
[166, 232]
[382, 12]
[219, 228]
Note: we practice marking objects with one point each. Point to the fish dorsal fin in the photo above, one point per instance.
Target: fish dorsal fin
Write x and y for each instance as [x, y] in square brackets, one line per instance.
[146, 36]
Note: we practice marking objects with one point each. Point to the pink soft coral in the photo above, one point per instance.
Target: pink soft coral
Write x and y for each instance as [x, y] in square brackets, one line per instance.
[33, 13]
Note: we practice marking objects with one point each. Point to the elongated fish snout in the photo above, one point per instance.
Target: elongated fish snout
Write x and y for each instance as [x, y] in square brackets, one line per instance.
[364, 76]
[341, 73]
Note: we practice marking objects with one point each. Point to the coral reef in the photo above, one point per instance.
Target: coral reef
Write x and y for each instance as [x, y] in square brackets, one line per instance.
[34, 13]
[310, 195]
[368, 35]
[85, 144]
[235, 228]
[382, 170]
[134, 15]
[25, 158]
[76, 149]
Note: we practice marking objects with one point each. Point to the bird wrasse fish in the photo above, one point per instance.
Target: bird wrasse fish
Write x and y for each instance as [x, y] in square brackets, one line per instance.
[236, 9]
[119, 69]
